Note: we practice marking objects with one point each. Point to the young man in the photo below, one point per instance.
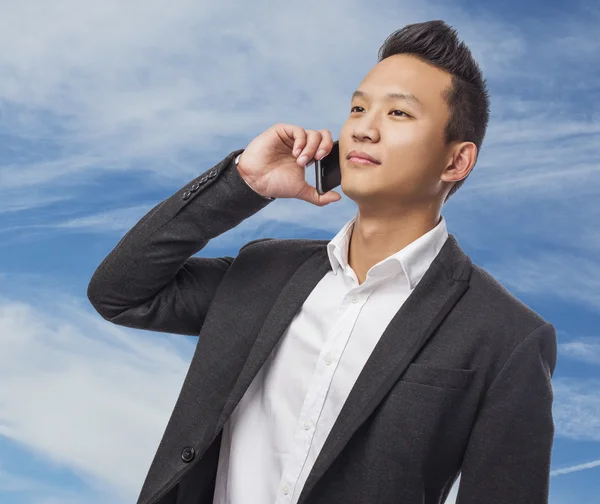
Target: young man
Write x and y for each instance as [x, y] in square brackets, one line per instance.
[373, 368]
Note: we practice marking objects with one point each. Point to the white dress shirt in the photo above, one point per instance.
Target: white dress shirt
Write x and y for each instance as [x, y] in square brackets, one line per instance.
[275, 433]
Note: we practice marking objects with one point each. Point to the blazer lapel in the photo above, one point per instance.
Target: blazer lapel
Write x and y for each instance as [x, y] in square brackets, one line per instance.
[433, 298]
[289, 302]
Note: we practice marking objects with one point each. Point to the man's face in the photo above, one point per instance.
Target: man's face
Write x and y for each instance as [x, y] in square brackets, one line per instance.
[405, 135]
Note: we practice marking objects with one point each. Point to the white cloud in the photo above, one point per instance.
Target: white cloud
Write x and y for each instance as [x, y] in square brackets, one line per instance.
[546, 272]
[133, 85]
[576, 468]
[583, 349]
[577, 408]
[82, 391]
[27, 488]
[25, 200]
[120, 81]
[121, 219]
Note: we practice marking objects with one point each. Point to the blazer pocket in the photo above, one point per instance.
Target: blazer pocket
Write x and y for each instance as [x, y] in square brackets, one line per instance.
[439, 377]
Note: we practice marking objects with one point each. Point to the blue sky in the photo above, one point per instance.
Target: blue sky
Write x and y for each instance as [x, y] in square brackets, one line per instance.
[106, 108]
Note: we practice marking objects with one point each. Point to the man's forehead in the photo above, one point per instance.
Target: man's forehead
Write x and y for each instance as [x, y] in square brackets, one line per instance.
[405, 77]
[390, 95]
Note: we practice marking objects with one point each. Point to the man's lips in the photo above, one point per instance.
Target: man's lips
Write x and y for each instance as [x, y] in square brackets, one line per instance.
[361, 157]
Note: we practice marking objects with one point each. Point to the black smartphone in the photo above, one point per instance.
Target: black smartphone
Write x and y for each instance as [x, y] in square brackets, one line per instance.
[328, 174]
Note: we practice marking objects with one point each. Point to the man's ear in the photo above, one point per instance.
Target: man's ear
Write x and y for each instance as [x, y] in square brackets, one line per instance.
[461, 162]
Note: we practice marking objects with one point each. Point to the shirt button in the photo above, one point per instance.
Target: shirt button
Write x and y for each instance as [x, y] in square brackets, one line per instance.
[307, 425]
[354, 298]
[286, 489]
[328, 360]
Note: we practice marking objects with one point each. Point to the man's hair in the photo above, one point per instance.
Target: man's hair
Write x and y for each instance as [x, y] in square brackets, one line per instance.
[436, 43]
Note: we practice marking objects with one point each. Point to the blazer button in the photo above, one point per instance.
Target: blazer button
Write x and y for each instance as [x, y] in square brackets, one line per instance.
[212, 174]
[203, 179]
[195, 187]
[186, 195]
[188, 454]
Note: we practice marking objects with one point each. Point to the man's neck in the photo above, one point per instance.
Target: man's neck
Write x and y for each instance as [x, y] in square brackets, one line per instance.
[375, 238]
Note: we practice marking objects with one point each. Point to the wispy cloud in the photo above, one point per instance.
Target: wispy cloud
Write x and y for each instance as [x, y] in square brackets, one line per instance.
[563, 275]
[72, 374]
[18, 486]
[18, 201]
[193, 73]
[577, 408]
[188, 75]
[584, 349]
[120, 219]
[576, 468]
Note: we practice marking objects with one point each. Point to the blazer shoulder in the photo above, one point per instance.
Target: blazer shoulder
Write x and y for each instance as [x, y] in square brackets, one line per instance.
[282, 245]
[504, 306]
[269, 260]
[503, 323]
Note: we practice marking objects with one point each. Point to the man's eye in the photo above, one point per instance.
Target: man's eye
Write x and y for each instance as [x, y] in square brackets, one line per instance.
[401, 113]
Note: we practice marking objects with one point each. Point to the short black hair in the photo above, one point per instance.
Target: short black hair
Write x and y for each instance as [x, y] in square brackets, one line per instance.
[437, 43]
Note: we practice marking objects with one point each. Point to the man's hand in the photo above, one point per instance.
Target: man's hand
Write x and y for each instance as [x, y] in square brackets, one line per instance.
[274, 163]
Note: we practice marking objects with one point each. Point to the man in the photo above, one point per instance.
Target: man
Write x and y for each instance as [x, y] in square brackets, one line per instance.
[373, 368]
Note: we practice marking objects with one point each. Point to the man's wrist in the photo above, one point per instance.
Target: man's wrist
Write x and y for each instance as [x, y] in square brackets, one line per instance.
[237, 160]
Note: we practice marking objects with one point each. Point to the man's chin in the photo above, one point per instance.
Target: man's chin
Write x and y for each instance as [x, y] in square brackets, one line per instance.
[360, 193]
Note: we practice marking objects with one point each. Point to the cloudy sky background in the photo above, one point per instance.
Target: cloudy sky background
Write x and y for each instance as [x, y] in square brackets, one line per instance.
[106, 108]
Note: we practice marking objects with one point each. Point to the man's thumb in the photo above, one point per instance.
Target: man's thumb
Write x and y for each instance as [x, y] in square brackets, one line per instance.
[310, 194]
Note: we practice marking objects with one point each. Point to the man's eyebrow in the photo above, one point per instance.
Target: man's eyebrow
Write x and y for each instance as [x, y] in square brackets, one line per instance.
[395, 96]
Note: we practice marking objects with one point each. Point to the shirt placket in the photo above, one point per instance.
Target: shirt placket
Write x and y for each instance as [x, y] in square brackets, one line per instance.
[314, 402]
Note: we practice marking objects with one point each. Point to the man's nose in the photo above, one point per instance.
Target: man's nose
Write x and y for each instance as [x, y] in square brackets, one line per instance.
[366, 129]
[364, 134]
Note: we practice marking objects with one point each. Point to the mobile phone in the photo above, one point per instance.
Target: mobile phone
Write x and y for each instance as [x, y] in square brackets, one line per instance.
[328, 174]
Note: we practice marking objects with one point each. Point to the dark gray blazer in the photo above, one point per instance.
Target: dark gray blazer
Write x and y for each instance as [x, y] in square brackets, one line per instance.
[460, 380]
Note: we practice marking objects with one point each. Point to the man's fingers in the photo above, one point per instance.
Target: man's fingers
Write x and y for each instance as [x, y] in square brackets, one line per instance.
[295, 133]
[299, 141]
[313, 140]
[326, 144]
[307, 144]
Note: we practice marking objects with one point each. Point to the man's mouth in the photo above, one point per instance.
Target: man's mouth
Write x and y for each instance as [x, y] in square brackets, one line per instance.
[362, 158]
[361, 161]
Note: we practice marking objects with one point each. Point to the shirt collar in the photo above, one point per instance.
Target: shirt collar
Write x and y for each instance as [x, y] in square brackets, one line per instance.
[413, 260]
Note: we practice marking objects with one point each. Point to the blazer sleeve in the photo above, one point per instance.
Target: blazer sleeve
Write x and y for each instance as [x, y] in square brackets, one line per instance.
[149, 280]
[507, 459]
